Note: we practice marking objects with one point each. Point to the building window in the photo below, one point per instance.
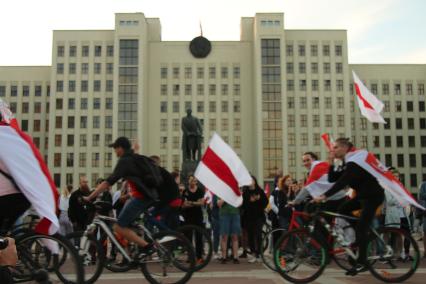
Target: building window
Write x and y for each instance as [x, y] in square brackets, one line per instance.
[328, 102]
[316, 120]
[212, 106]
[200, 90]
[83, 122]
[212, 124]
[224, 124]
[303, 102]
[399, 141]
[326, 50]
[110, 50]
[315, 85]
[83, 103]
[410, 122]
[97, 85]
[411, 141]
[200, 73]
[410, 106]
[212, 72]
[163, 142]
[60, 68]
[326, 68]
[70, 160]
[37, 107]
[290, 102]
[109, 68]
[340, 120]
[98, 50]
[303, 120]
[176, 108]
[163, 91]
[224, 106]
[237, 124]
[200, 107]
[301, 50]
[84, 68]
[188, 90]
[237, 106]
[421, 106]
[60, 86]
[412, 160]
[83, 140]
[71, 86]
[175, 142]
[289, 68]
[96, 103]
[85, 51]
[388, 142]
[25, 107]
[339, 68]
[290, 85]
[302, 85]
[212, 90]
[422, 122]
[96, 122]
[97, 68]
[95, 160]
[57, 159]
[339, 85]
[163, 72]
[397, 89]
[421, 88]
[71, 122]
[328, 120]
[109, 85]
[314, 50]
[84, 86]
[289, 50]
[338, 50]
[314, 68]
[327, 85]
[163, 107]
[224, 89]
[175, 71]
[188, 72]
[413, 180]
[163, 124]
[176, 88]
[224, 72]
[302, 68]
[236, 72]
[60, 51]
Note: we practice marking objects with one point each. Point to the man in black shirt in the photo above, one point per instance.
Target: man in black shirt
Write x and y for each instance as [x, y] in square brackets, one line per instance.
[369, 195]
[78, 212]
[141, 197]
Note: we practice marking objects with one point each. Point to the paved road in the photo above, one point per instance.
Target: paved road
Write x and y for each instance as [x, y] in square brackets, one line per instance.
[246, 273]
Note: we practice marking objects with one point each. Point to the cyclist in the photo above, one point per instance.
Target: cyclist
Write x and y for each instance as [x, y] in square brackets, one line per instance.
[141, 196]
[369, 194]
[24, 178]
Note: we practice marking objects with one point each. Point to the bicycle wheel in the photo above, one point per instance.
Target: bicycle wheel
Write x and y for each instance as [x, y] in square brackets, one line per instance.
[172, 261]
[43, 257]
[267, 255]
[384, 255]
[299, 257]
[92, 256]
[115, 260]
[203, 254]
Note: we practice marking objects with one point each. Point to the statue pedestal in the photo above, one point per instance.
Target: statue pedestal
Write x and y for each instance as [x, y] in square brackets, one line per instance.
[188, 168]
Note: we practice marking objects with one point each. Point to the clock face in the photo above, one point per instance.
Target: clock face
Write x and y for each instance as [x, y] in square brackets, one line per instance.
[200, 47]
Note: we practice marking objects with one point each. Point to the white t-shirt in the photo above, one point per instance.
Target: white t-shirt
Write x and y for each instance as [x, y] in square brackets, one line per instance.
[64, 203]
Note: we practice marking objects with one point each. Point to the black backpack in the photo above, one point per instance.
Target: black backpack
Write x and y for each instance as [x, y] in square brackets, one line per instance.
[169, 190]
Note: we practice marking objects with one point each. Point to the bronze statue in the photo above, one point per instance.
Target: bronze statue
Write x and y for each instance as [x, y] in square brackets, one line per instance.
[192, 136]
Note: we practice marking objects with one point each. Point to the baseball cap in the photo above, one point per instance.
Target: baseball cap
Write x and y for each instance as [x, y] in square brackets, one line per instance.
[122, 142]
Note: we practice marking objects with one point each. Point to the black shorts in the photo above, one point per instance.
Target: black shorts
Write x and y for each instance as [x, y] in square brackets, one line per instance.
[11, 207]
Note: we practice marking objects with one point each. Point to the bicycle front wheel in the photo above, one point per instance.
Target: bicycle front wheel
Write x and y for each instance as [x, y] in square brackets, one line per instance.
[199, 237]
[269, 241]
[394, 256]
[172, 260]
[47, 258]
[299, 257]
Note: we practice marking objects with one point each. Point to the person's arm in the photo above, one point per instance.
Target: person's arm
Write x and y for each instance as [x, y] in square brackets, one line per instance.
[351, 172]
[274, 207]
[263, 199]
[301, 196]
[333, 174]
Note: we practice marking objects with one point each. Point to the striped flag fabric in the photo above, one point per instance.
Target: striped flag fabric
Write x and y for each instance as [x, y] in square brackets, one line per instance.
[222, 171]
[328, 141]
[385, 178]
[24, 163]
[368, 103]
[317, 182]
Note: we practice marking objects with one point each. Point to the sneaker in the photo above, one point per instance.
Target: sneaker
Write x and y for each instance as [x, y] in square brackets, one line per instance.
[200, 261]
[251, 259]
[356, 269]
[243, 255]
[217, 256]
[145, 251]
[235, 261]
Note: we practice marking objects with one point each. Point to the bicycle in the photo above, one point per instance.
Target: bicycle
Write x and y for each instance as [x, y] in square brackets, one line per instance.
[300, 256]
[172, 257]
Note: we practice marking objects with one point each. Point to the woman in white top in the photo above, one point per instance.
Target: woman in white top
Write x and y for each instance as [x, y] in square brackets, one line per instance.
[65, 225]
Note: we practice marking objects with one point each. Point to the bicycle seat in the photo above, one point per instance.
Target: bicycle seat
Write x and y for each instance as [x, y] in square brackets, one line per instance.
[102, 205]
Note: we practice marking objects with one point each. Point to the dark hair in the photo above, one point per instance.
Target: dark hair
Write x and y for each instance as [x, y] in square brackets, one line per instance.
[312, 154]
[345, 141]
[175, 174]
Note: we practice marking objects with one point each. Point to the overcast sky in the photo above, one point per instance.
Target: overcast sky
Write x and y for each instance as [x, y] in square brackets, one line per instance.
[379, 31]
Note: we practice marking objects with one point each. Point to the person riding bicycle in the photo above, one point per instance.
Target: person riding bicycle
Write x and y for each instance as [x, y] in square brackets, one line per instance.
[369, 194]
[24, 181]
[142, 197]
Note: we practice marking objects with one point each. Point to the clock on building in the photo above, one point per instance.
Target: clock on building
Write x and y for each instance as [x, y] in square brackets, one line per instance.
[200, 47]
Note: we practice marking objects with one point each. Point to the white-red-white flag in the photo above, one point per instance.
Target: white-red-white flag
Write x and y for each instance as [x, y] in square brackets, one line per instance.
[384, 177]
[24, 163]
[317, 182]
[369, 104]
[222, 171]
[328, 140]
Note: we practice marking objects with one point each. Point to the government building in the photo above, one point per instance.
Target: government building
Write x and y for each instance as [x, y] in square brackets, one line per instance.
[270, 95]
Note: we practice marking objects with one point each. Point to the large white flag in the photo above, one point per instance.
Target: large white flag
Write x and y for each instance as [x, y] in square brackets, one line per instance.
[317, 182]
[222, 171]
[384, 177]
[26, 166]
[369, 105]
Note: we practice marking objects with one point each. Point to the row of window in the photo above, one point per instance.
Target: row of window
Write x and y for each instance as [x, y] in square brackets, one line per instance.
[83, 103]
[84, 51]
[303, 102]
[84, 68]
[84, 86]
[397, 88]
[82, 161]
[26, 90]
[314, 68]
[200, 72]
[83, 140]
[200, 106]
[314, 50]
[176, 89]
[212, 124]
[96, 122]
[315, 86]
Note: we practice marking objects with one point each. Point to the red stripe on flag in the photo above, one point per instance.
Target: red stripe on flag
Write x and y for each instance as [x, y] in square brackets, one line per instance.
[325, 137]
[364, 101]
[220, 169]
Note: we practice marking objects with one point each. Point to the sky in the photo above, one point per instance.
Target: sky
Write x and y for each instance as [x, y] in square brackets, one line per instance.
[379, 31]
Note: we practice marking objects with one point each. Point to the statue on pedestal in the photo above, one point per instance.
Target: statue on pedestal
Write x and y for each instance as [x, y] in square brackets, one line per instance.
[192, 137]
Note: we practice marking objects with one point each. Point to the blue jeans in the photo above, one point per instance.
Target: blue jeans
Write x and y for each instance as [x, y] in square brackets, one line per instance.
[133, 208]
